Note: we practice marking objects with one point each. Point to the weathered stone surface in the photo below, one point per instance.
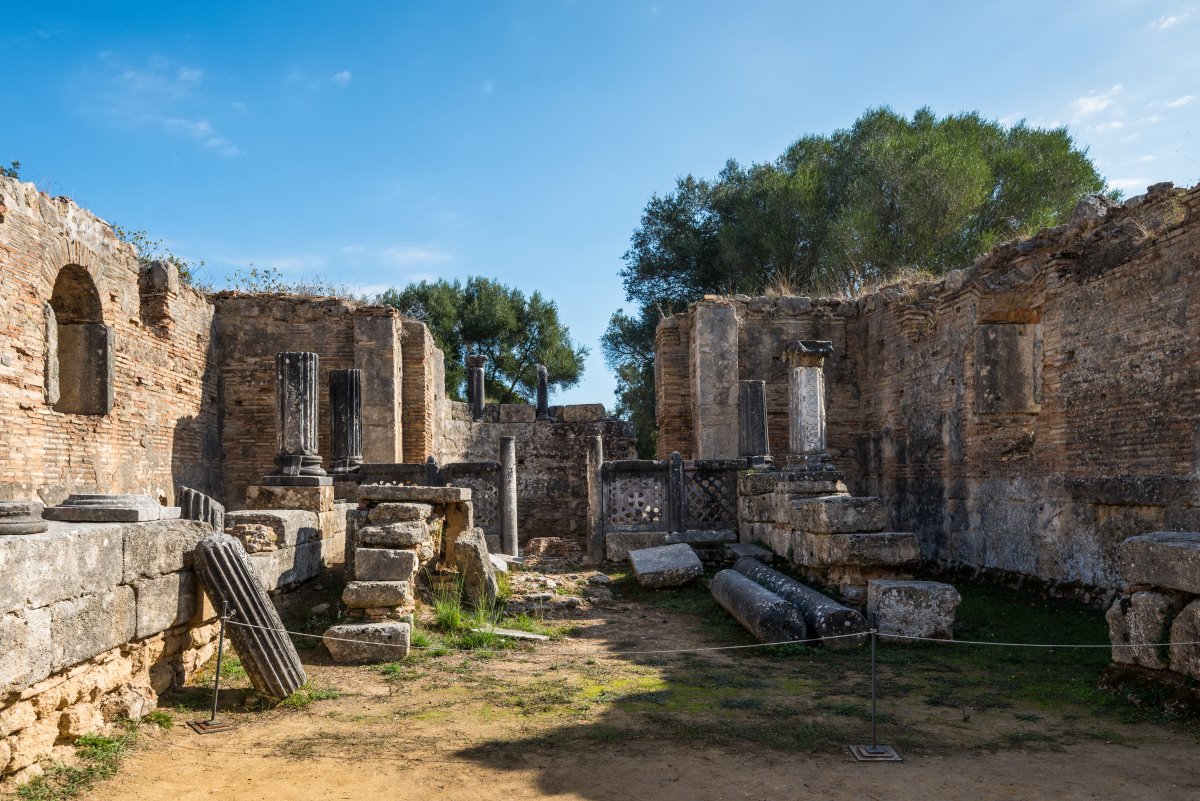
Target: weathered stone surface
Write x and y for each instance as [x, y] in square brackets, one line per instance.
[159, 548]
[90, 624]
[758, 482]
[697, 536]
[86, 508]
[309, 499]
[471, 557]
[290, 527]
[164, 602]
[863, 549]
[824, 617]
[297, 462]
[517, 413]
[377, 594]
[666, 566]
[68, 560]
[25, 652]
[346, 423]
[384, 564]
[1136, 622]
[543, 393]
[413, 534]
[285, 567]
[913, 608]
[1169, 559]
[618, 544]
[581, 413]
[508, 495]
[752, 419]
[21, 517]
[195, 505]
[837, 514]
[366, 643]
[257, 632]
[1185, 632]
[761, 612]
[399, 512]
[398, 494]
[739, 550]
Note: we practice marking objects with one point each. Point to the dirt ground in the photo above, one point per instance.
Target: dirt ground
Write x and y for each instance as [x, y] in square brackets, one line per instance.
[588, 717]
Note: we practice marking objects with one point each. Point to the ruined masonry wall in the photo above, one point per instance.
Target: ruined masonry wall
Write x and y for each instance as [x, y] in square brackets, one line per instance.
[162, 429]
[1024, 415]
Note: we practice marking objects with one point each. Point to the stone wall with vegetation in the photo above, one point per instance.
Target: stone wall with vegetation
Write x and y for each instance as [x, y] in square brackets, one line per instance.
[1025, 414]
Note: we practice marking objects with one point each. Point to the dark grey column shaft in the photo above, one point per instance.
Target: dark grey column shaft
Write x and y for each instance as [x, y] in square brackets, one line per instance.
[824, 617]
[761, 612]
[508, 495]
[543, 393]
[475, 384]
[345, 420]
[432, 474]
[676, 499]
[296, 399]
[752, 418]
[595, 458]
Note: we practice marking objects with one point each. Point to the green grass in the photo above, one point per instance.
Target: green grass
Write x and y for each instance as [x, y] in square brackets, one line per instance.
[99, 757]
[306, 696]
[160, 718]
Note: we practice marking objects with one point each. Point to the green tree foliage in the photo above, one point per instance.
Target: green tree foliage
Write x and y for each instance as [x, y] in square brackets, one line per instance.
[12, 171]
[515, 332]
[190, 272]
[837, 214]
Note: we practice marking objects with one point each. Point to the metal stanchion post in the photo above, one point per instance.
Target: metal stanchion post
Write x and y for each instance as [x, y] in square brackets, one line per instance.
[874, 752]
[212, 725]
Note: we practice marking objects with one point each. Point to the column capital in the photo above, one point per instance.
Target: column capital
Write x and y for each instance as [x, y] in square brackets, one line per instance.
[807, 352]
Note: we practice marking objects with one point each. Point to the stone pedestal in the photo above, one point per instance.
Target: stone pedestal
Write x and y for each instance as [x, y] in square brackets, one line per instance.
[475, 381]
[508, 495]
[310, 499]
[806, 404]
[297, 463]
[345, 420]
[543, 393]
[752, 422]
[21, 517]
[110, 509]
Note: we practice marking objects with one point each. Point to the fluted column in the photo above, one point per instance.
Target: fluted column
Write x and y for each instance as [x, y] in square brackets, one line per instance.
[806, 404]
[297, 461]
[752, 422]
[345, 420]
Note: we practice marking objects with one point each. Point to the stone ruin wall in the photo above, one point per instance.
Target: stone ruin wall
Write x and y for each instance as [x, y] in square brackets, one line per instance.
[1024, 415]
[552, 480]
[162, 429]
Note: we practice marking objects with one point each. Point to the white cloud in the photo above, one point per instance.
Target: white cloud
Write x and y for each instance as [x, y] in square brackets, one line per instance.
[1152, 119]
[1129, 184]
[341, 78]
[1169, 21]
[1181, 102]
[1105, 127]
[1094, 102]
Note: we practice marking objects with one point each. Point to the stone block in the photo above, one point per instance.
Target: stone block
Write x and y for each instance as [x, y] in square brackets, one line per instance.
[738, 550]
[68, 560]
[780, 540]
[517, 413]
[860, 549]
[381, 493]
[1185, 658]
[384, 564]
[377, 594]
[1168, 559]
[666, 566]
[290, 526]
[812, 488]
[25, 652]
[91, 624]
[365, 643]
[308, 499]
[82, 508]
[399, 512]
[702, 536]
[912, 608]
[21, 517]
[837, 514]
[757, 508]
[471, 557]
[158, 549]
[1136, 622]
[581, 413]
[618, 544]
[413, 534]
[1008, 360]
[164, 602]
[288, 566]
[757, 483]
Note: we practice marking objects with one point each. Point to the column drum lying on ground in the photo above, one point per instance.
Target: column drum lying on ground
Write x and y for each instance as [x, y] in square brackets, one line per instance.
[760, 611]
[824, 616]
[266, 651]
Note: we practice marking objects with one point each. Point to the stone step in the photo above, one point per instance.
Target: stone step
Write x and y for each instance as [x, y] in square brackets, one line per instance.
[838, 514]
[860, 548]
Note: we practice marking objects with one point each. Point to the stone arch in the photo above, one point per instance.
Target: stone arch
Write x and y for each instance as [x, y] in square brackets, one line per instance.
[79, 346]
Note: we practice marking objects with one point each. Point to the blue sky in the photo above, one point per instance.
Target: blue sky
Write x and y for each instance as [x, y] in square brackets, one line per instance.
[381, 143]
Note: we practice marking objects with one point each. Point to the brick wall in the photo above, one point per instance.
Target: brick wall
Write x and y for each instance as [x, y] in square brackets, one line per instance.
[1023, 415]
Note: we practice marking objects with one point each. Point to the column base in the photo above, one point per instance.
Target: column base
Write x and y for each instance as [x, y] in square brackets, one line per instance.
[297, 481]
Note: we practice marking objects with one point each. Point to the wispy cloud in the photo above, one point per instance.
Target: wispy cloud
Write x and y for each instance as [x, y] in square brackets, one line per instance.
[160, 94]
[1181, 101]
[1106, 127]
[1094, 102]
[298, 76]
[1170, 20]
[341, 78]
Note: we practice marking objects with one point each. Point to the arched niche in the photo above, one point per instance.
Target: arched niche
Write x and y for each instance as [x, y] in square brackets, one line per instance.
[79, 346]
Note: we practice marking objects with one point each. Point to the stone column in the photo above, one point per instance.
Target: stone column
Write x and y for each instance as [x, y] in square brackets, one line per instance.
[805, 359]
[595, 508]
[508, 495]
[752, 422]
[543, 393]
[297, 463]
[475, 393]
[345, 420]
[676, 501]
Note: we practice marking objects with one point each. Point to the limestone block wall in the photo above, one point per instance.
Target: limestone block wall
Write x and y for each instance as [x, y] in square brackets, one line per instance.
[159, 427]
[552, 482]
[96, 619]
[1023, 415]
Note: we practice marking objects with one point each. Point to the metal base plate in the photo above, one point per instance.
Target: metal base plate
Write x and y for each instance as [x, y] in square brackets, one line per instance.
[878, 753]
[209, 726]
